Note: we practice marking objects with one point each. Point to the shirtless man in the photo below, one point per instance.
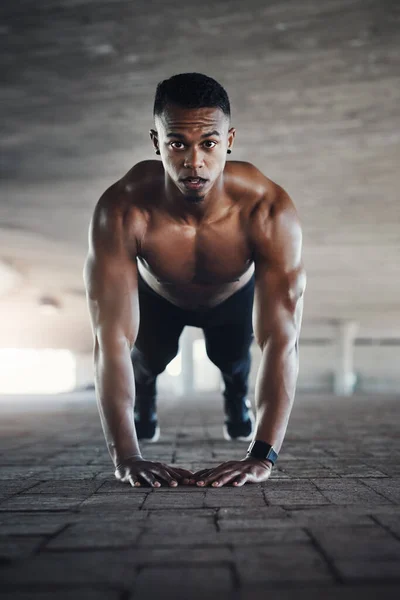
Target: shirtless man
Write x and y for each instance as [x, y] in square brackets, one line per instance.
[189, 240]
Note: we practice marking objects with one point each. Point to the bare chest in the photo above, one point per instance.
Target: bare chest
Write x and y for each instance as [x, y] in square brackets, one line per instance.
[207, 256]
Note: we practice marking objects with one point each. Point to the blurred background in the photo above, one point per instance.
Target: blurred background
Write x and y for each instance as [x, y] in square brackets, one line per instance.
[315, 94]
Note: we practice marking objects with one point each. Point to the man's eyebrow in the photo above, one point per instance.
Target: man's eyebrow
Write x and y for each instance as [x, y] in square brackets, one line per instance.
[215, 132]
[182, 136]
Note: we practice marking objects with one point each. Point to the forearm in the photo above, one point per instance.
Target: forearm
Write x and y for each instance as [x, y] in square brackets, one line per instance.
[115, 393]
[275, 390]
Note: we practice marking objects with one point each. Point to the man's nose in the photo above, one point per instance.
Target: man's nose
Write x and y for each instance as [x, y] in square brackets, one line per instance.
[193, 159]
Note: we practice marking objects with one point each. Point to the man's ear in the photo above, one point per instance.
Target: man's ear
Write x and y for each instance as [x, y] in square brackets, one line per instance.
[154, 138]
[231, 136]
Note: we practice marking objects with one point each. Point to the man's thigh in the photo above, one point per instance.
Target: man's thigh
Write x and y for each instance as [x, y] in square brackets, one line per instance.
[160, 326]
[229, 334]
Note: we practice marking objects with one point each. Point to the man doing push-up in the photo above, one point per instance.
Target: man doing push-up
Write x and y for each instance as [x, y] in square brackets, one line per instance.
[191, 240]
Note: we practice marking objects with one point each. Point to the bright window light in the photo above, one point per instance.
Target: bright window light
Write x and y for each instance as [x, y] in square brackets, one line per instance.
[175, 366]
[199, 350]
[30, 371]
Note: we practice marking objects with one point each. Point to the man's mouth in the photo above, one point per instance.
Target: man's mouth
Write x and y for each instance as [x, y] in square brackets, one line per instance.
[194, 183]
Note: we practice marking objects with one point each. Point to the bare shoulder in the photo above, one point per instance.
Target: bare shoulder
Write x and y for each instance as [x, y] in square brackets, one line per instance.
[274, 225]
[143, 175]
[118, 215]
[249, 184]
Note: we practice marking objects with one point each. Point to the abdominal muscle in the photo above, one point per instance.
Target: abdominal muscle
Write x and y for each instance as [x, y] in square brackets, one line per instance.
[194, 296]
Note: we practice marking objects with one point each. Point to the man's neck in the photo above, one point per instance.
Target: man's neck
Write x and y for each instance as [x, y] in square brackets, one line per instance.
[200, 211]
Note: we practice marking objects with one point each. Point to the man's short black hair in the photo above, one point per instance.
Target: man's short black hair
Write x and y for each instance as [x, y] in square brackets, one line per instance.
[191, 90]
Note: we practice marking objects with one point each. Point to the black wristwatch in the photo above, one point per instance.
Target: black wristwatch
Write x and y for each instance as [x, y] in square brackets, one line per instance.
[263, 451]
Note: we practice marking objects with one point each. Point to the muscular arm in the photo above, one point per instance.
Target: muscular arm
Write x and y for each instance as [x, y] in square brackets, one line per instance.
[111, 280]
[110, 276]
[278, 305]
[277, 314]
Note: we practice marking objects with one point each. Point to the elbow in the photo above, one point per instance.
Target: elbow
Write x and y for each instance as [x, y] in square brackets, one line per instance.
[112, 344]
[286, 342]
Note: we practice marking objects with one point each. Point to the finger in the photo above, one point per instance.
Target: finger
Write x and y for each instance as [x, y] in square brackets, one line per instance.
[133, 481]
[176, 473]
[150, 479]
[226, 478]
[186, 475]
[201, 473]
[241, 480]
[183, 472]
[177, 477]
[214, 475]
[200, 479]
[204, 473]
[164, 474]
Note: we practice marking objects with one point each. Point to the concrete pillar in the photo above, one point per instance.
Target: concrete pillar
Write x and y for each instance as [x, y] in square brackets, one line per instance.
[344, 377]
[186, 346]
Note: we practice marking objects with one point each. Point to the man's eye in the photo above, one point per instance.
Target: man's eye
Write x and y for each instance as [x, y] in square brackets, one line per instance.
[177, 145]
[210, 144]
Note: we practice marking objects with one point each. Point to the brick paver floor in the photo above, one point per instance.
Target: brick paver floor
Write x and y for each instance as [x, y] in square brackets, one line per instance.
[326, 525]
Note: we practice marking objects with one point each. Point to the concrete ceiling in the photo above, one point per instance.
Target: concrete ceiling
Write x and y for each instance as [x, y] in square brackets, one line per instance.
[315, 92]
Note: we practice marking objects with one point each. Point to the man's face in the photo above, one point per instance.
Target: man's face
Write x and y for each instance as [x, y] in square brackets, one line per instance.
[193, 144]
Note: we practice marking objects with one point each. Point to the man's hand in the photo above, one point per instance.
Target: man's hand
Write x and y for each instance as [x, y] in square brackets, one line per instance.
[138, 470]
[237, 472]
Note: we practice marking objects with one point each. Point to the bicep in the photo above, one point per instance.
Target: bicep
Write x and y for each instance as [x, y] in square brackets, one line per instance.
[110, 276]
[280, 274]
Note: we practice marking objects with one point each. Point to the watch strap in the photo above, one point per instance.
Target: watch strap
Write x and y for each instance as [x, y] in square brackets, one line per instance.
[263, 451]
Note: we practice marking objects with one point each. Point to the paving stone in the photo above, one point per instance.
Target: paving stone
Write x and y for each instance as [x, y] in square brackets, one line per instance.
[180, 515]
[366, 542]
[11, 488]
[40, 503]
[21, 473]
[160, 499]
[183, 582]
[305, 470]
[69, 472]
[346, 468]
[349, 492]
[183, 556]
[70, 457]
[112, 486]
[22, 458]
[325, 591]
[330, 515]
[173, 526]
[32, 524]
[391, 522]
[278, 473]
[71, 568]
[389, 467]
[65, 488]
[118, 533]
[101, 534]
[131, 500]
[266, 512]
[293, 493]
[78, 593]
[15, 548]
[278, 563]
[389, 488]
[246, 537]
[227, 497]
[372, 569]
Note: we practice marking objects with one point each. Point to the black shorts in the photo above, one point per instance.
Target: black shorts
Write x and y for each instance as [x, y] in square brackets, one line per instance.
[227, 327]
